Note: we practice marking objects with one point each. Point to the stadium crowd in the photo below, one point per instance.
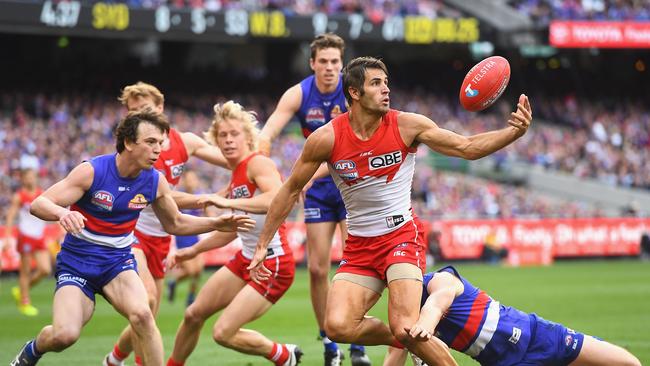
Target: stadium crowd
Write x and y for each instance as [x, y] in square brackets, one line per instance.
[543, 11]
[588, 140]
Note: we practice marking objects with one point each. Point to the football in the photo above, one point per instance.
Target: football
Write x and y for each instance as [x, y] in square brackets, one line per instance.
[484, 83]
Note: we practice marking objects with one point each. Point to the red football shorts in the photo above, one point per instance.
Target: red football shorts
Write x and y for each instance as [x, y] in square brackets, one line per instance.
[283, 270]
[371, 256]
[27, 244]
[155, 249]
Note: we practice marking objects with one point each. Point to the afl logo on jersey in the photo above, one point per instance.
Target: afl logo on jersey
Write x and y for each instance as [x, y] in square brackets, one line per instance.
[103, 199]
[315, 115]
[177, 170]
[347, 169]
[138, 202]
[385, 160]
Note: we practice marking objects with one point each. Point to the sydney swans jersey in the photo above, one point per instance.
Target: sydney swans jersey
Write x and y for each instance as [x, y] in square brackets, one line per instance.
[316, 108]
[480, 327]
[28, 224]
[111, 207]
[374, 176]
[171, 163]
[242, 187]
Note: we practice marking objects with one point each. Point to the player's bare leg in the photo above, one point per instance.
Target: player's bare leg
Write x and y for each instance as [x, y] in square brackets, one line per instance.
[215, 295]
[127, 294]
[595, 352]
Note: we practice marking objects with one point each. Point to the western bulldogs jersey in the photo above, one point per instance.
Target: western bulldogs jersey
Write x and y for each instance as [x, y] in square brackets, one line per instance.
[171, 163]
[316, 108]
[242, 187]
[477, 325]
[28, 224]
[111, 206]
[374, 176]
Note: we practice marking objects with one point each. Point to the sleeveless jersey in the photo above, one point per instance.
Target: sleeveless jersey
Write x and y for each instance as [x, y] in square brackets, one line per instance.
[28, 224]
[374, 176]
[171, 163]
[316, 108]
[477, 325]
[111, 206]
[242, 187]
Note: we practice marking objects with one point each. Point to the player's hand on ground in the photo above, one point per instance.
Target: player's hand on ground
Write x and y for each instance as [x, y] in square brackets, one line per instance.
[72, 222]
[231, 223]
[419, 333]
[181, 255]
[521, 118]
[213, 200]
[257, 270]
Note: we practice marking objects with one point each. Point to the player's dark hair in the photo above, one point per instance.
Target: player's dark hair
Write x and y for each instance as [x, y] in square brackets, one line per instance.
[127, 129]
[354, 74]
[326, 40]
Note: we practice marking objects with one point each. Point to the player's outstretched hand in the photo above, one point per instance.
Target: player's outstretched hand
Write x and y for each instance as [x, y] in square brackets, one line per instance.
[230, 223]
[213, 200]
[257, 270]
[181, 255]
[419, 333]
[522, 118]
[72, 222]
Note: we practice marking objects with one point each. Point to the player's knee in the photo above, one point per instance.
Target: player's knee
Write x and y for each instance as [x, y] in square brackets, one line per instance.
[222, 334]
[193, 317]
[141, 318]
[64, 337]
[44, 271]
[318, 271]
[338, 329]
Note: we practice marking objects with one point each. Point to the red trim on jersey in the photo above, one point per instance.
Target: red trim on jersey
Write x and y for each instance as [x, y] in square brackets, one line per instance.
[173, 157]
[99, 226]
[240, 178]
[476, 314]
[27, 197]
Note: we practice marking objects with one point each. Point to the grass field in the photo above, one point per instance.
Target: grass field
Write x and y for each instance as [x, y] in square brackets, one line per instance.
[610, 299]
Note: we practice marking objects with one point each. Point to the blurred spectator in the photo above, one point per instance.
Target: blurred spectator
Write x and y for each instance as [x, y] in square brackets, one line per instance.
[543, 11]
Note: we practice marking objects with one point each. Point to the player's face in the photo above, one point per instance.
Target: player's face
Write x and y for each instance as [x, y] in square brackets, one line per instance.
[139, 103]
[28, 178]
[327, 65]
[376, 96]
[233, 140]
[148, 145]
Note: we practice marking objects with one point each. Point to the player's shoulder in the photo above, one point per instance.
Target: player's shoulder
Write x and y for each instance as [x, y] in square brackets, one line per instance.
[260, 160]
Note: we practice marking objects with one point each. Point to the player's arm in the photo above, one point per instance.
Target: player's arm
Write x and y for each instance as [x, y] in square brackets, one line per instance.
[473, 147]
[317, 149]
[52, 204]
[263, 172]
[288, 105]
[443, 289]
[216, 239]
[200, 148]
[187, 201]
[176, 223]
[12, 211]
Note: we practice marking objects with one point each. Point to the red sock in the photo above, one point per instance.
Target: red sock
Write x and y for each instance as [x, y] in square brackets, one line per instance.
[279, 354]
[171, 362]
[396, 344]
[138, 360]
[118, 354]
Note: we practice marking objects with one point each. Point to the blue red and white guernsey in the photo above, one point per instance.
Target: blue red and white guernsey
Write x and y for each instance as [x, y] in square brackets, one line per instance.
[111, 206]
[499, 335]
[323, 202]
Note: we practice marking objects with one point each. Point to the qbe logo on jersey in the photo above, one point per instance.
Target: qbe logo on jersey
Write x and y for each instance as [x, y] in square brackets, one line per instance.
[385, 160]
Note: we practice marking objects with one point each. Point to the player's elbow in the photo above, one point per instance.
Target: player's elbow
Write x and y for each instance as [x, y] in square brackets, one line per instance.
[173, 226]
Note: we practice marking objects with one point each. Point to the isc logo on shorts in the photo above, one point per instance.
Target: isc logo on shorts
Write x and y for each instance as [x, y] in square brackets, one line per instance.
[385, 160]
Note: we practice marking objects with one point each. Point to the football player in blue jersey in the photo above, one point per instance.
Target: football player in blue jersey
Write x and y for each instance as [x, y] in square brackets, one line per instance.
[98, 204]
[470, 321]
[314, 102]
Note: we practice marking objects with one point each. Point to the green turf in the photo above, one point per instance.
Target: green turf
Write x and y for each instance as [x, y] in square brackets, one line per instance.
[610, 299]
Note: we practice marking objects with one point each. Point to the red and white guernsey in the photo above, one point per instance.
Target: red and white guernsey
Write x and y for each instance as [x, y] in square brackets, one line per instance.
[171, 163]
[242, 187]
[374, 176]
[28, 224]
